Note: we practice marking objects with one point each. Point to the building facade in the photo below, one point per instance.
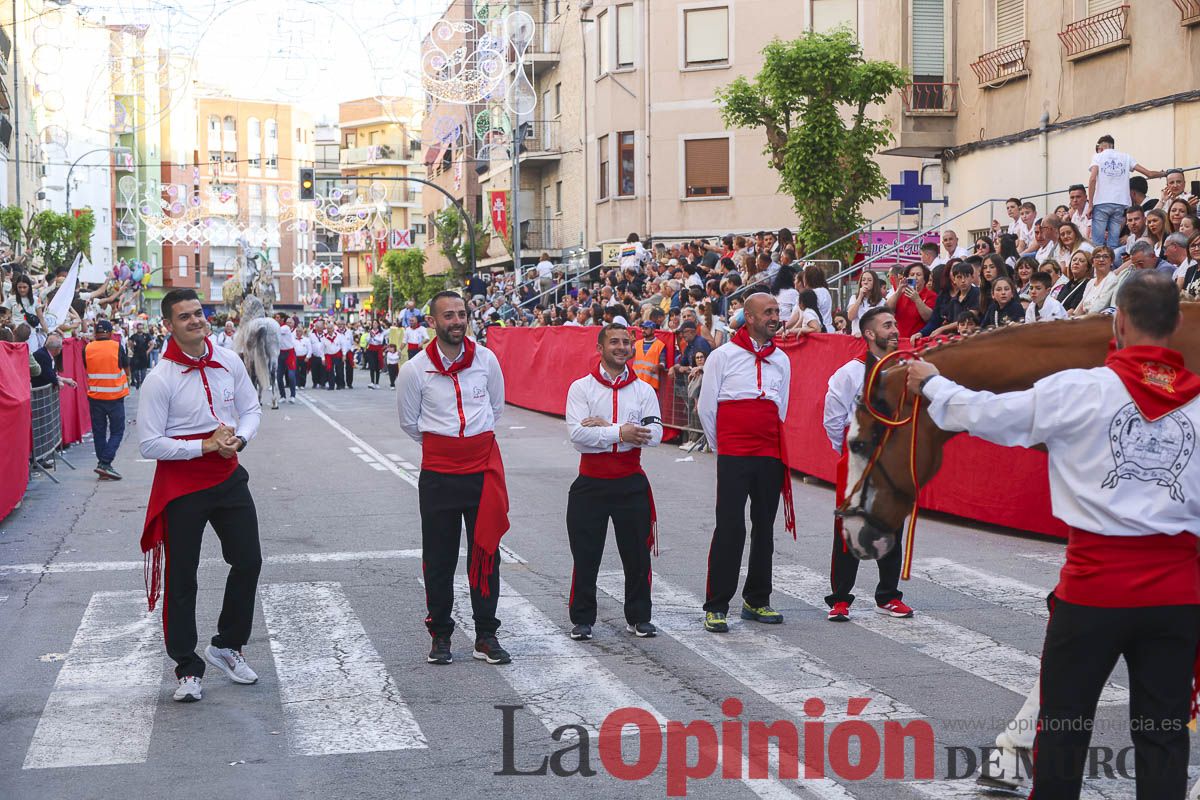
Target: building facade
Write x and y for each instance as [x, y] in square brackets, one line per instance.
[20, 153]
[328, 184]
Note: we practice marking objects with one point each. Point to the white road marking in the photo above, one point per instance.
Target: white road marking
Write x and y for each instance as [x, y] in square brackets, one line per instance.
[337, 694]
[407, 477]
[968, 650]
[101, 710]
[511, 555]
[762, 662]
[378, 467]
[1053, 559]
[355, 449]
[366, 458]
[284, 558]
[1009, 593]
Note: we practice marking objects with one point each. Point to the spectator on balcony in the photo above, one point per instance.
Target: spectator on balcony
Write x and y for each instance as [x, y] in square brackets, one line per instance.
[1062, 212]
[1051, 249]
[951, 246]
[1099, 292]
[1006, 248]
[1137, 193]
[1071, 239]
[992, 268]
[968, 323]
[870, 295]
[959, 296]
[1078, 210]
[1143, 256]
[1108, 189]
[1177, 212]
[1135, 229]
[1158, 228]
[1005, 308]
[1079, 275]
[545, 274]
[633, 255]
[841, 323]
[1026, 268]
[1026, 230]
[930, 255]
[1012, 207]
[913, 302]
[44, 356]
[1175, 252]
[814, 279]
[1191, 280]
[1174, 189]
[1043, 307]
[784, 289]
[984, 247]
[806, 317]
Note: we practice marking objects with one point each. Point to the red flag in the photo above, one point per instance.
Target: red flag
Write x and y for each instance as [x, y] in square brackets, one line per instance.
[498, 203]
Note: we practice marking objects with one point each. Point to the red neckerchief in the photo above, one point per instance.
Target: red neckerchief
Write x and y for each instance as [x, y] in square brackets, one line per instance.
[435, 357]
[742, 339]
[206, 361]
[627, 379]
[1155, 377]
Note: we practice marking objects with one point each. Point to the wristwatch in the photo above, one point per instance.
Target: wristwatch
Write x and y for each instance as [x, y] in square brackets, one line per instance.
[241, 439]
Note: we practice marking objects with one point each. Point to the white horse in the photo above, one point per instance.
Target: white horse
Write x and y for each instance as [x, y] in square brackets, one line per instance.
[257, 341]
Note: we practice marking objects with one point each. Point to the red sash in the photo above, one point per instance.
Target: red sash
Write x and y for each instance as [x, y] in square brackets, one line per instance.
[751, 428]
[467, 455]
[291, 357]
[611, 466]
[174, 479]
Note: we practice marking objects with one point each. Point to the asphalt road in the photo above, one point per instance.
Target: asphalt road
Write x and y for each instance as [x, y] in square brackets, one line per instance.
[347, 706]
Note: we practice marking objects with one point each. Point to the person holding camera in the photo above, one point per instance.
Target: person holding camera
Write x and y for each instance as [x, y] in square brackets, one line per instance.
[611, 416]
[913, 301]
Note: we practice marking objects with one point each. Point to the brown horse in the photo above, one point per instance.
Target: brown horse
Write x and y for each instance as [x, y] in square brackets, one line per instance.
[1005, 360]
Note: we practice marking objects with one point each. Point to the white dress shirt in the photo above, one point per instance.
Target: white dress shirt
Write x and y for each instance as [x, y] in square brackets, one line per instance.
[845, 386]
[428, 401]
[287, 339]
[588, 397]
[730, 374]
[316, 345]
[224, 340]
[415, 336]
[301, 346]
[1051, 309]
[173, 403]
[1111, 472]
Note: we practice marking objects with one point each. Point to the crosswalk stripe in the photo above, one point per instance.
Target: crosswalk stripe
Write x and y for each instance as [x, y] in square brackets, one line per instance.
[773, 668]
[966, 649]
[969, 790]
[1053, 559]
[101, 710]
[407, 477]
[562, 683]
[1001, 590]
[337, 694]
[273, 560]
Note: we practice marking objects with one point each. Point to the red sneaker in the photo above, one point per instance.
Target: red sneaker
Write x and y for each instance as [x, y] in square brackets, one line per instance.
[840, 612]
[896, 608]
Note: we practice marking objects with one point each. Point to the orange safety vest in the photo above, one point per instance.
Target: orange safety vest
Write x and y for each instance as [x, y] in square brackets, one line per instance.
[645, 364]
[105, 378]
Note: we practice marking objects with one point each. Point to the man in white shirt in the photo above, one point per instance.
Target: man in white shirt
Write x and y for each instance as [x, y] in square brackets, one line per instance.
[952, 247]
[743, 403]
[316, 352]
[285, 371]
[225, 337]
[1080, 212]
[879, 331]
[335, 373]
[346, 342]
[1051, 250]
[301, 337]
[1118, 438]
[196, 411]
[1108, 190]
[450, 397]
[545, 274]
[1042, 307]
[415, 337]
[611, 416]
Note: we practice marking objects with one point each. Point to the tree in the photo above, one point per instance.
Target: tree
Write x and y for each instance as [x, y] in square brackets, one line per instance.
[408, 281]
[49, 240]
[813, 97]
[456, 244]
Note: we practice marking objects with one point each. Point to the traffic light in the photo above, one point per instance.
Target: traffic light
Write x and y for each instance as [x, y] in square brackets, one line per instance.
[308, 188]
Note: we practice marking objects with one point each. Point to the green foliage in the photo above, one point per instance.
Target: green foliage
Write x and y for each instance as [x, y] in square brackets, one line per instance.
[455, 243]
[813, 98]
[408, 281]
[49, 240]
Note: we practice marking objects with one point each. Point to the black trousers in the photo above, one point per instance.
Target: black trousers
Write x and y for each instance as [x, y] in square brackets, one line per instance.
[1082, 646]
[230, 509]
[316, 367]
[301, 371]
[372, 358]
[590, 505]
[843, 570]
[393, 371]
[348, 368]
[335, 376]
[759, 479]
[447, 501]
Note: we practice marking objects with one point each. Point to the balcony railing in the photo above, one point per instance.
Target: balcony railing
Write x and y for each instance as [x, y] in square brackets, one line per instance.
[935, 98]
[1002, 64]
[1098, 32]
[1189, 10]
[546, 39]
[541, 234]
[541, 136]
[373, 154]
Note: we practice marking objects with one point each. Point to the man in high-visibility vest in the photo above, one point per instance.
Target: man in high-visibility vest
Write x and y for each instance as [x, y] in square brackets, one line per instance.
[649, 356]
[107, 386]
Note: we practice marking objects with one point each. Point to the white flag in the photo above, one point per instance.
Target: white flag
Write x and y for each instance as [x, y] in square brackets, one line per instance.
[58, 310]
[91, 273]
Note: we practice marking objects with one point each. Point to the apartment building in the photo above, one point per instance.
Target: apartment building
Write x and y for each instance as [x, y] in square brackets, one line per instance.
[328, 183]
[20, 155]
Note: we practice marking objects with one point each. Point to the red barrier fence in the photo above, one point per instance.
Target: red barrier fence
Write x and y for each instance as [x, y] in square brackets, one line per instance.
[540, 364]
[16, 420]
[73, 404]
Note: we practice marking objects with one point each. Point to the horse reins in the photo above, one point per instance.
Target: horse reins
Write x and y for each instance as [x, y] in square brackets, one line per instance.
[891, 424]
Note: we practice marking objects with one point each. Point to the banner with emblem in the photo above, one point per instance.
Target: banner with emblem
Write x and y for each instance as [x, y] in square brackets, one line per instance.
[498, 204]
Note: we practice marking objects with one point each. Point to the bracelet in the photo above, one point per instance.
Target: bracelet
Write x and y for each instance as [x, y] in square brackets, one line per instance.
[924, 381]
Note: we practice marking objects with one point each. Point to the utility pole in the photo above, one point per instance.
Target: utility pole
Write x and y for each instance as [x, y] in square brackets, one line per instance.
[16, 115]
[515, 216]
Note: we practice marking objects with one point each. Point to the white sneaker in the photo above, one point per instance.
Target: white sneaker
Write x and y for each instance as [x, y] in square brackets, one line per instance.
[231, 663]
[189, 690]
[372, 386]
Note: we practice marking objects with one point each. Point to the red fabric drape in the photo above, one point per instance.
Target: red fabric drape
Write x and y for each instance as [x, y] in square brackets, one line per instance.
[72, 402]
[540, 364]
[17, 422]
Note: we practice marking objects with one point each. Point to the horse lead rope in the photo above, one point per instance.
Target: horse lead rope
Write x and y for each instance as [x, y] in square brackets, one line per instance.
[891, 424]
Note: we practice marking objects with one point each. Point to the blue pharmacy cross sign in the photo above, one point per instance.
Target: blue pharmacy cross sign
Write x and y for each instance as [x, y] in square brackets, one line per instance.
[911, 192]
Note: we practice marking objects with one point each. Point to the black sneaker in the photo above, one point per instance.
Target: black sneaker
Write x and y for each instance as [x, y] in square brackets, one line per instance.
[642, 630]
[100, 470]
[581, 632]
[440, 652]
[487, 648]
[111, 473]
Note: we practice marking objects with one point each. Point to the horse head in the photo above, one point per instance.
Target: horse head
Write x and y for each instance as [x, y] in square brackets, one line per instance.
[880, 486]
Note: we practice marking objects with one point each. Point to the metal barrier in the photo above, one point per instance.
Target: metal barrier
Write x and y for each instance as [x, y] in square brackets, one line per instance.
[47, 430]
[677, 396]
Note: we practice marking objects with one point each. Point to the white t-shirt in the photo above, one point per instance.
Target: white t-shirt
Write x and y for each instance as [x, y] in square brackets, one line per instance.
[1051, 309]
[787, 302]
[825, 306]
[545, 269]
[1112, 177]
[862, 309]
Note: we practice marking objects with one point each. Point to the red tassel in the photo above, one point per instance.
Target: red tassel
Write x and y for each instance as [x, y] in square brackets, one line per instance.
[789, 511]
[480, 571]
[153, 573]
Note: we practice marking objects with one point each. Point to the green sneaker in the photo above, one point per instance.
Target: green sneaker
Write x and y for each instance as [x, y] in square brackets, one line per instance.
[761, 614]
[714, 622]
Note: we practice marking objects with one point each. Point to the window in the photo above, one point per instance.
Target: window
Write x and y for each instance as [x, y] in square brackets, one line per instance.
[625, 183]
[418, 228]
[928, 41]
[557, 96]
[603, 62]
[272, 130]
[830, 14]
[706, 167]
[626, 44]
[1010, 21]
[602, 146]
[214, 124]
[253, 132]
[350, 140]
[706, 36]
[1100, 6]
[230, 125]
[558, 197]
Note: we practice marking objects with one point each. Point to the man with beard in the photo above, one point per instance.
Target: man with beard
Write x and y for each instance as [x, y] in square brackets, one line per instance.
[139, 354]
[450, 396]
[611, 415]
[879, 329]
[743, 402]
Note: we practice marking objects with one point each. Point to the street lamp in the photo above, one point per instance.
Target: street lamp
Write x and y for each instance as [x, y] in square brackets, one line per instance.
[118, 150]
